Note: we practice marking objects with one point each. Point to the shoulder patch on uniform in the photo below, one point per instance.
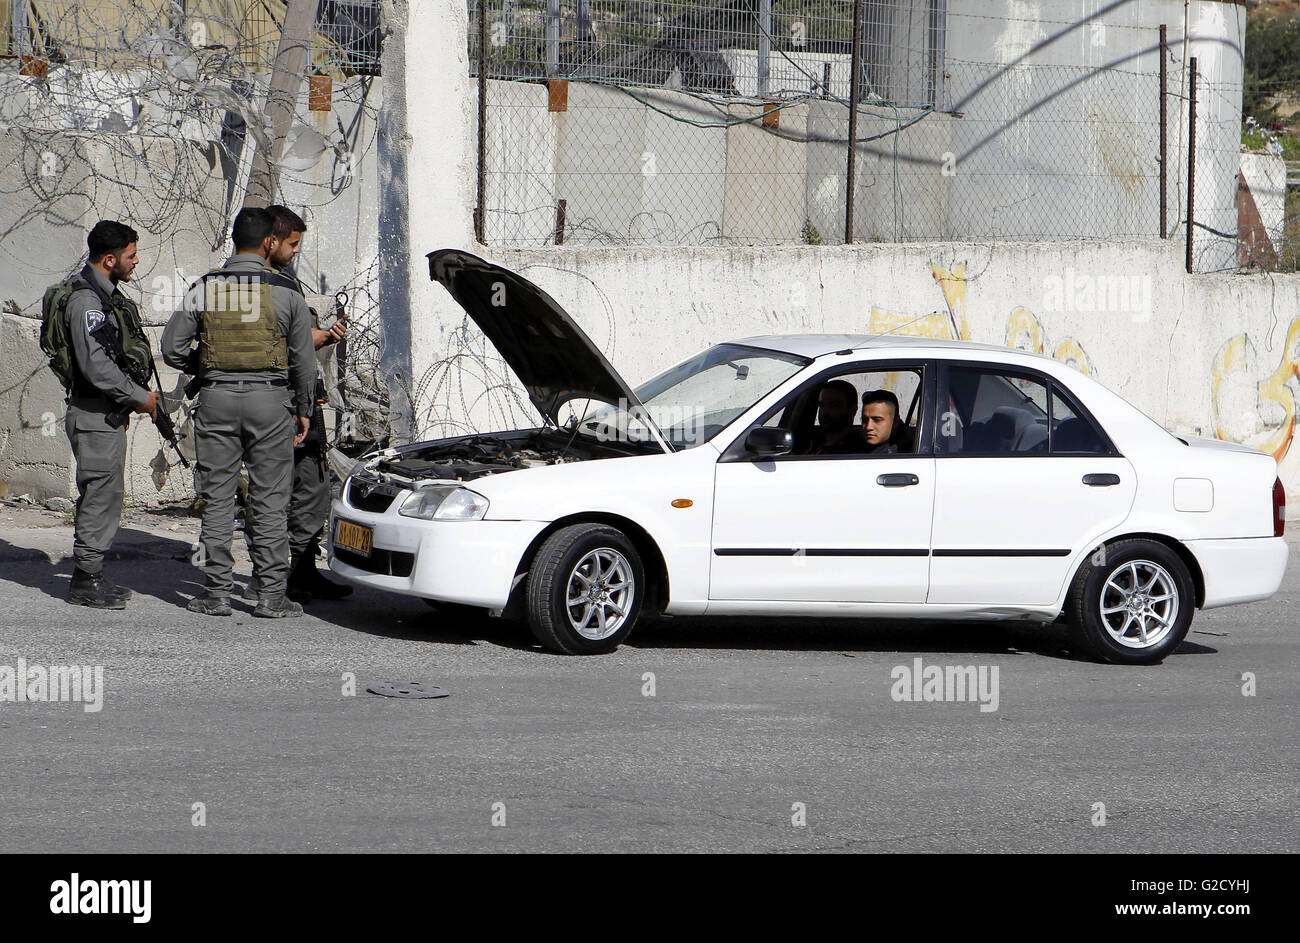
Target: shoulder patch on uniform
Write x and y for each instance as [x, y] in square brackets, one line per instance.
[94, 320]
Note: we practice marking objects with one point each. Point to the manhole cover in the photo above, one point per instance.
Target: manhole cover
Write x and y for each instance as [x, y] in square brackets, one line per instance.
[407, 689]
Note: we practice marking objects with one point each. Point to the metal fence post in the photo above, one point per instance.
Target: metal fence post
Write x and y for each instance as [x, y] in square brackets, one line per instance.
[1164, 142]
[855, 83]
[480, 201]
[1191, 158]
[764, 45]
[583, 21]
[552, 38]
[18, 27]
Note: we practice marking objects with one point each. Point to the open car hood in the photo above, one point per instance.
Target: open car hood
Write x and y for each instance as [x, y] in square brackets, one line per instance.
[548, 352]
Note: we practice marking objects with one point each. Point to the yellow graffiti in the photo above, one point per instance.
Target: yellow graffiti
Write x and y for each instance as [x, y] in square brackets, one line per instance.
[952, 282]
[1071, 353]
[1024, 331]
[1275, 396]
[937, 326]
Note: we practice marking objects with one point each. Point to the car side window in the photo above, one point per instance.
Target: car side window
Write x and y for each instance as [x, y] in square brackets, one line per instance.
[988, 412]
[1072, 433]
[860, 413]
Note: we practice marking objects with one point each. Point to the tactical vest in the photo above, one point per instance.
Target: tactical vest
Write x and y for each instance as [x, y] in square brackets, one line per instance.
[239, 329]
[122, 335]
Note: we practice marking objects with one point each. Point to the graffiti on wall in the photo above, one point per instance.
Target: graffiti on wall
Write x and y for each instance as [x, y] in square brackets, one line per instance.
[1251, 405]
[1024, 329]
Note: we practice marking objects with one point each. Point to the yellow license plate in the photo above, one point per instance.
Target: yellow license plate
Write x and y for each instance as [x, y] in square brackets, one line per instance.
[354, 537]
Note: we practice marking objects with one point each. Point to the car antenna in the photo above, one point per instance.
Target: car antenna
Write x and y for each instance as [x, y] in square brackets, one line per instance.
[897, 327]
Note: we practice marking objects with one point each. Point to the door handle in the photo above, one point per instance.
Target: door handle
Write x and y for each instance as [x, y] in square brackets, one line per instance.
[897, 480]
[1101, 479]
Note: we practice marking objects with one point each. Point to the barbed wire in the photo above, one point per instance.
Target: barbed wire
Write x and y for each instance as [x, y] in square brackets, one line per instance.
[149, 112]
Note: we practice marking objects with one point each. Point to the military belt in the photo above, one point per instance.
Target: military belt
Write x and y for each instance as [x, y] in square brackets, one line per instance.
[234, 381]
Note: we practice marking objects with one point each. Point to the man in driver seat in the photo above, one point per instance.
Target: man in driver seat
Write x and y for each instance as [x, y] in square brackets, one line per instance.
[836, 433]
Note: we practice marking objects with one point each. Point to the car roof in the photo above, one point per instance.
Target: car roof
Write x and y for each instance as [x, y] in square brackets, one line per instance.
[818, 345]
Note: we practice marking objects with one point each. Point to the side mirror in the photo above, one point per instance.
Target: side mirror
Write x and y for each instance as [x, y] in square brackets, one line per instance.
[763, 441]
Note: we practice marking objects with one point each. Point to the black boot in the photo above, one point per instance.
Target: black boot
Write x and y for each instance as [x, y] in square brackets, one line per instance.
[276, 607]
[209, 605]
[91, 589]
[317, 584]
[122, 592]
[298, 586]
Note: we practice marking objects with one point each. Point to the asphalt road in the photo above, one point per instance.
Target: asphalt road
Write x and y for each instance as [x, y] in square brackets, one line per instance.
[752, 725]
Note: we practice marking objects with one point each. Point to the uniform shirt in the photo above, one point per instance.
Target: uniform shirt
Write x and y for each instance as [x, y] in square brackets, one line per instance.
[292, 317]
[289, 273]
[96, 369]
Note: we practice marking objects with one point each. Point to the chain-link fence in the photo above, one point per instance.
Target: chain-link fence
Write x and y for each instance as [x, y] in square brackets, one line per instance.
[632, 121]
[735, 48]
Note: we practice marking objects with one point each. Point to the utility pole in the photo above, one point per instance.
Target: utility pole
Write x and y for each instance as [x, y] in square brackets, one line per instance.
[855, 85]
[281, 102]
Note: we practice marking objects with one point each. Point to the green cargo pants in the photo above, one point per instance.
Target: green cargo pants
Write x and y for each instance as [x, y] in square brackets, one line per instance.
[100, 452]
[247, 423]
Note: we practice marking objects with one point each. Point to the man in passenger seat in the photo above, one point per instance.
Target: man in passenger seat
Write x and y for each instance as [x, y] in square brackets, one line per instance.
[881, 428]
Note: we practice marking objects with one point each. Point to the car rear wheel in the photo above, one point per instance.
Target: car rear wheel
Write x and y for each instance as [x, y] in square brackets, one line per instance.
[585, 589]
[1131, 603]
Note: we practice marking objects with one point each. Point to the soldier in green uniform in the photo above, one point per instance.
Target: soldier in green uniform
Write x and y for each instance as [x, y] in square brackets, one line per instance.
[255, 367]
[107, 376]
[309, 502]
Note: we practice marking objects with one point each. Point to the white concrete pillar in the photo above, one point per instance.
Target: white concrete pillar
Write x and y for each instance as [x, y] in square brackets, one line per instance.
[426, 165]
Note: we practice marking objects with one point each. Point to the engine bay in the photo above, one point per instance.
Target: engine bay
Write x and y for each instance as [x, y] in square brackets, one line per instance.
[470, 457]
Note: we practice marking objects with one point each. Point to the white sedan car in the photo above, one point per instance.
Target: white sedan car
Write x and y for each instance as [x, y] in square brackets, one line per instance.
[813, 475]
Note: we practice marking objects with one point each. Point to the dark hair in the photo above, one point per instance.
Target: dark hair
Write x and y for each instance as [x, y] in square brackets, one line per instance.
[252, 225]
[881, 396]
[842, 387]
[287, 222]
[107, 236]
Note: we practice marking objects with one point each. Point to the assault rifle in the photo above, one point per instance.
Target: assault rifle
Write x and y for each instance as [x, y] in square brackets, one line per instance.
[163, 420]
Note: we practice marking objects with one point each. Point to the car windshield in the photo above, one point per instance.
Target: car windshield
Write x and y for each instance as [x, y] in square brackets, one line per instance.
[695, 400]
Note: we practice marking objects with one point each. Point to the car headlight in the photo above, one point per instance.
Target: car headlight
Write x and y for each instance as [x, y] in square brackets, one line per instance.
[445, 503]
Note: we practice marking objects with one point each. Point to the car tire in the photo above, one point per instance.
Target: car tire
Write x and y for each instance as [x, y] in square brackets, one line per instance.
[597, 564]
[1131, 603]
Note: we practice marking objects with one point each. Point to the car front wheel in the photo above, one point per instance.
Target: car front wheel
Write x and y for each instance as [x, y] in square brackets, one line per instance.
[585, 589]
[1131, 603]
